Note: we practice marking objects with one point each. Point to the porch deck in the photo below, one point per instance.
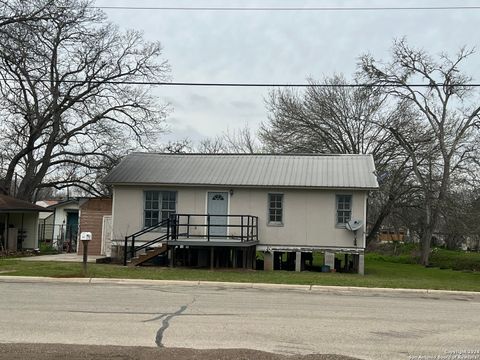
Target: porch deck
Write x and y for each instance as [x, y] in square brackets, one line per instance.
[201, 241]
[197, 231]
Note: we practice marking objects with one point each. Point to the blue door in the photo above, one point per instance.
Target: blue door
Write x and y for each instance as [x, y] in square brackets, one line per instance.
[218, 205]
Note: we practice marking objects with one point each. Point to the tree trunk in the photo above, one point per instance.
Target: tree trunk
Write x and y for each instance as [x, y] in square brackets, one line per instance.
[425, 246]
[378, 222]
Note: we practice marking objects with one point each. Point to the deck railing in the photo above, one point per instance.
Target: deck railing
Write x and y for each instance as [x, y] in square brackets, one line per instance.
[239, 228]
[243, 228]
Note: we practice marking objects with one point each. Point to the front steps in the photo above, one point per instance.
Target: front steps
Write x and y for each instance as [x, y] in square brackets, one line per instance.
[150, 254]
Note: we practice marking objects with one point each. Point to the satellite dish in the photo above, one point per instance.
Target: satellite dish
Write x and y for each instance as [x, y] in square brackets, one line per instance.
[354, 225]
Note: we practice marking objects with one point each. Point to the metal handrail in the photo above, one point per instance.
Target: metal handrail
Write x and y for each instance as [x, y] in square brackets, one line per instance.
[248, 230]
[133, 249]
[248, 226]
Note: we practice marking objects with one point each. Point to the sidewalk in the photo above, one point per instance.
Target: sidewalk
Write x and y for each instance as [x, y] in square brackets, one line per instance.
[61, 257]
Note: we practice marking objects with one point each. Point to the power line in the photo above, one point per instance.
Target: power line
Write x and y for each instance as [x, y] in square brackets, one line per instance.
[225, 84]
[335, 8]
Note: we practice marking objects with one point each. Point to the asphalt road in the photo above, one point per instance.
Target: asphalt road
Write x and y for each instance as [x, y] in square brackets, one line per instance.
[362, 324]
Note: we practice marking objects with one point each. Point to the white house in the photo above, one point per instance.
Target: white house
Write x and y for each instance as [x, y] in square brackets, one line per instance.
[224, 208]
[59, 227]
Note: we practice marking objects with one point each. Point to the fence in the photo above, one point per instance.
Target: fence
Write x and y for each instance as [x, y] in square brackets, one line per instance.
[61, 237]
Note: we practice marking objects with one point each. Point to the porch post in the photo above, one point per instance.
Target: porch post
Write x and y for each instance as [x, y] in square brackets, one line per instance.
[330, 259]
[361, 264]
[212, 256]
[268, 260]
[298, 261]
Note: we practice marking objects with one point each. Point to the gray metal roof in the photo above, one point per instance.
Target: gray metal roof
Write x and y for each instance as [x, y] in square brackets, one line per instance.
[259, 170]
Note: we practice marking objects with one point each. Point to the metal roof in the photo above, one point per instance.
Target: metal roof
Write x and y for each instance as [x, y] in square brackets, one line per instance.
[256, 170]
[11, 204]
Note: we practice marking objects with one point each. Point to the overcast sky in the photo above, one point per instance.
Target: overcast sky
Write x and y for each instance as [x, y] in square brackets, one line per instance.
[279, 47]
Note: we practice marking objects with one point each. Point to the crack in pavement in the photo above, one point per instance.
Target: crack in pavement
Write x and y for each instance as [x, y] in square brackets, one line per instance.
[166, 322]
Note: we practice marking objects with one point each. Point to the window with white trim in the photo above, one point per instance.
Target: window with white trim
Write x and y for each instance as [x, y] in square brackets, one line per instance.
[158, 206]
[275, 209]
[344, 209]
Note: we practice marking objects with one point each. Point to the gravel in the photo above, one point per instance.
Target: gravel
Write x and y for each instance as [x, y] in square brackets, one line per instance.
[77, 352]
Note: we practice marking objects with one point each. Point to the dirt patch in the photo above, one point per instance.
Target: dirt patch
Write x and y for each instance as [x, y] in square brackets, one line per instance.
[94, 352]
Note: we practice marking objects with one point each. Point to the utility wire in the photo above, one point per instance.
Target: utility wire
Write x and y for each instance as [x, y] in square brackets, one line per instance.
[335, 8]
[224, 84]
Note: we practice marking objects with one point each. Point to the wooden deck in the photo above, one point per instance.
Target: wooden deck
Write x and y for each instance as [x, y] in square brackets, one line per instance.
[216, 242]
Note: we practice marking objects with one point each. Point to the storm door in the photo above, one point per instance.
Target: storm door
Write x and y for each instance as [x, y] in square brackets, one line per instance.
[218, 205]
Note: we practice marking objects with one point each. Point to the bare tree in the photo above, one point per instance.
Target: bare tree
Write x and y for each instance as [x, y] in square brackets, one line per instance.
[340, 119]
[69, 108]
[446, 129]
[241, 141]
[19, 11]
[237, 141]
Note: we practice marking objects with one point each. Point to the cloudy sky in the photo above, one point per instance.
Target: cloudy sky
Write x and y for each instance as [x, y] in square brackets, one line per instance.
[279, 47]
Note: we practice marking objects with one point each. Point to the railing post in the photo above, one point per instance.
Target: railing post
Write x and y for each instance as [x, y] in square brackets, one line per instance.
[208, 227]
[248, 227]
[177, 226]
[168, 229]
[125, 252]
[132, 250]
[174, 229]
[188, 226]
[241, 228]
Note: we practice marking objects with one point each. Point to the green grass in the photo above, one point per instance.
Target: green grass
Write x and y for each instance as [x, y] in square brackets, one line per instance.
[379, 273]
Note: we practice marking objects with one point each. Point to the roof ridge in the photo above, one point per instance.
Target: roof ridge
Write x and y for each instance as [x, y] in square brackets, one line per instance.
[243, 154]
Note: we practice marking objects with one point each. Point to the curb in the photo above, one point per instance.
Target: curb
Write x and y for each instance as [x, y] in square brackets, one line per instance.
[232, 285]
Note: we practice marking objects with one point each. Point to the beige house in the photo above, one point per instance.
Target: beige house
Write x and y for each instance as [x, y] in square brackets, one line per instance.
[223, 209]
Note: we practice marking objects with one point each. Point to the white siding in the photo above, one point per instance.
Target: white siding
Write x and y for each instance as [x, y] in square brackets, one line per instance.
[308, 217]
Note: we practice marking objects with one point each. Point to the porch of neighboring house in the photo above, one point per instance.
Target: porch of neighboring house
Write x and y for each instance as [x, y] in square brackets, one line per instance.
[18, 230]
[196, 240]
[18, 224]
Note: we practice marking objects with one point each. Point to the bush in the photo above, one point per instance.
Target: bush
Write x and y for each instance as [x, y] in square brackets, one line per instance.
[456, 260]
[47, 249]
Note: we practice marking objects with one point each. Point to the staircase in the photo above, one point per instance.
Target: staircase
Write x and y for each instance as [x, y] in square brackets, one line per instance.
[131, 250]
[149, 254]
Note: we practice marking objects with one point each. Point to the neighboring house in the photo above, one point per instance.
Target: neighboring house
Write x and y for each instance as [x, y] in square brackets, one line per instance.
[18, 224]
[60, 229]
[389, 234]
[222, 209]
[95, 216]
[45, 222]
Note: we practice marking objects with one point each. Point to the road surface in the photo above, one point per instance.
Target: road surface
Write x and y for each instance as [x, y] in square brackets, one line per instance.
[362, 324]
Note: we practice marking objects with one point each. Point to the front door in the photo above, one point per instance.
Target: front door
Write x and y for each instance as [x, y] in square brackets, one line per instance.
[71, 233]
[218, 205]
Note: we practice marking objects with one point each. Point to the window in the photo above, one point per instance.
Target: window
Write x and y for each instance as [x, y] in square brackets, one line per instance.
[275, 209]
[159, 205]
[344, 209]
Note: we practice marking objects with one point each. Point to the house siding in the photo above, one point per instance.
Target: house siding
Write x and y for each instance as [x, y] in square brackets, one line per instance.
[91, 219]
[308, 214]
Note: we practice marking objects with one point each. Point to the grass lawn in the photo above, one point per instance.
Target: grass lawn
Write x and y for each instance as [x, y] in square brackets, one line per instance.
[380, 272]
